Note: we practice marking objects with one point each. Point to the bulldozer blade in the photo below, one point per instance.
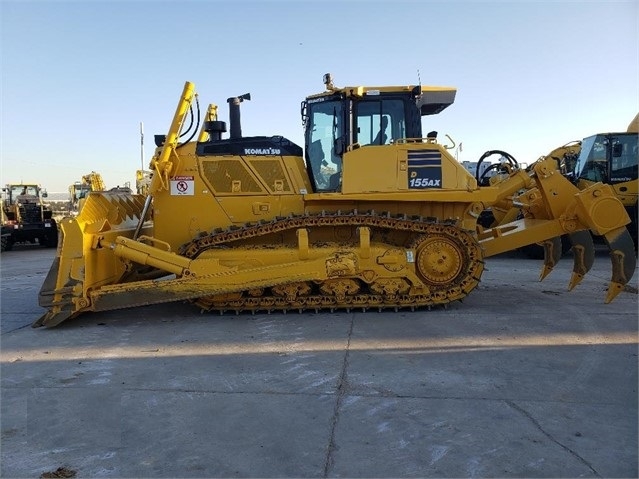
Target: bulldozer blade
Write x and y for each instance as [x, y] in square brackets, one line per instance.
[80, 266]
[624, 261]
[51, 319]
[583, 250]
[53, 316]
[552, 255]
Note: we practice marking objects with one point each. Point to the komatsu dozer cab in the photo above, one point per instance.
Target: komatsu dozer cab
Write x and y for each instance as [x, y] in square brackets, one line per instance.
[371, 213]
[612, 158]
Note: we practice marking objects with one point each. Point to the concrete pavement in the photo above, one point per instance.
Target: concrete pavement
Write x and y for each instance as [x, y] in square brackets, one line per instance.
[522, 379]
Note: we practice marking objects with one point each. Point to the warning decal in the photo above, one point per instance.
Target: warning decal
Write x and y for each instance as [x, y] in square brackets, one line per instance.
[182, 186]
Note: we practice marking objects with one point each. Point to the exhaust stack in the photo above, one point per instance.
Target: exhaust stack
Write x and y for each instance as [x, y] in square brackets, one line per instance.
[234, 114]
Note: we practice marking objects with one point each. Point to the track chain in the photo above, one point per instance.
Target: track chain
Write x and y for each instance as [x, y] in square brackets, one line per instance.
[272, 299]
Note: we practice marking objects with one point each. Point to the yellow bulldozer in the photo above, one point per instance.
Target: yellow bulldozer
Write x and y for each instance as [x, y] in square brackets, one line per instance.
[372, 213]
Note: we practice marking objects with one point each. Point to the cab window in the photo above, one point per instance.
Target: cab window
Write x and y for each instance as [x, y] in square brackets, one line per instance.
[379, 122]
[624, 158]
[323, 139]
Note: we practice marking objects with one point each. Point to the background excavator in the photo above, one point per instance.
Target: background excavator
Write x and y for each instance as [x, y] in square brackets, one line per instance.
[78, 191]
[370, 214]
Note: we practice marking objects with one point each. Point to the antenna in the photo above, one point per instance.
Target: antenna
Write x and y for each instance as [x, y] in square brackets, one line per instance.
[142, 144]
[419, 79]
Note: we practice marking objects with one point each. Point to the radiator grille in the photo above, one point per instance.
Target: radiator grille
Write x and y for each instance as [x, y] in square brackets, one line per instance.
[224, 175]
[271, 171]
[30, 213]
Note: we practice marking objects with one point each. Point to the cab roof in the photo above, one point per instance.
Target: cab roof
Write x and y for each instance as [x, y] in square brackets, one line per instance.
[429, 99]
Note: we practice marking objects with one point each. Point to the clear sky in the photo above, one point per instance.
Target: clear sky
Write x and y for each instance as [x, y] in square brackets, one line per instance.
[78, 77]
